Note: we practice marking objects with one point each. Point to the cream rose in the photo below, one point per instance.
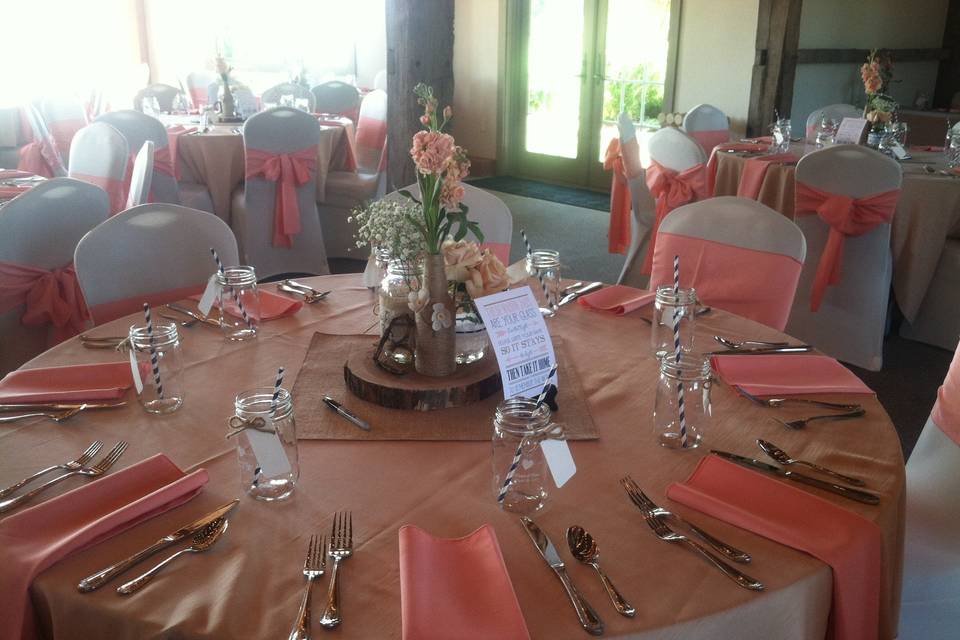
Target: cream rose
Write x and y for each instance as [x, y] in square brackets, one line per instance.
[490, 276]
[459, 257]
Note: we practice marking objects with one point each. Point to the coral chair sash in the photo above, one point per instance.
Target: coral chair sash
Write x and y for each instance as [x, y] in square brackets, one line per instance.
[62, 132]
[618, 238]
[847, 217]
[39, 158]
[671, 190]
[946, 410]
[710, 139]
[116, 189]
[289, 171]
[162, 162]
[49, 297]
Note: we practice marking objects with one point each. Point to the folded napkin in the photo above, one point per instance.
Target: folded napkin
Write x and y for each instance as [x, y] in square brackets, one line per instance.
[925, 147]
[755, 170]
[272, 306]
[10, 174]
[850, 544]
[456, 588]
[618, 298]
[76, 383]
[38, 537]
[769, 375]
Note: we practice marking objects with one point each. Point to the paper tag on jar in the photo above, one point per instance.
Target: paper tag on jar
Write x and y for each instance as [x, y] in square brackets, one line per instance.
[135, 370]
[559, 460]
[210, 295]
[271, 456]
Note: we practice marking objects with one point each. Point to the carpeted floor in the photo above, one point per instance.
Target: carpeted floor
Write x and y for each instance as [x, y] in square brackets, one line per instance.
[543, 191]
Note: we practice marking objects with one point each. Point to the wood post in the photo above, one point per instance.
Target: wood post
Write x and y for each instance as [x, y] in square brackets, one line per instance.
[419, 49]
[948, 76]
[778, 38]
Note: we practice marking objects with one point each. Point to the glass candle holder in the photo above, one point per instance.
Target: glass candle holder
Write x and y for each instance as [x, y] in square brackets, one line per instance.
[400, 281]
[159, 362]
[266, 435]
[239, 303]
[684, 303]
[681, 410]
[545, 266]
[519, 424]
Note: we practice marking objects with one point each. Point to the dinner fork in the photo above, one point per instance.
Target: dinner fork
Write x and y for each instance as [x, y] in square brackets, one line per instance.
[308, 297]
[313, 568]
[802, 422]
[56, 416]
[648, 506]
[779, 402]
[72, 465]
[664, 532]
[341, 547]
[93, 472]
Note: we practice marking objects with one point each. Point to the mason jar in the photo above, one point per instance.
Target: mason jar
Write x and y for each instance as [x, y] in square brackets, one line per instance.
[158, 360]
[684, 304]
[266, 433]
[239, 303]
[681, 412]
[520, 483]
[545, 266]
[401, 279]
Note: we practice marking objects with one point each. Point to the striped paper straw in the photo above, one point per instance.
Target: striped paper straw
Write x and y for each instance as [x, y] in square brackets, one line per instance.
[543, 283]
[546, 384]
[154, 360]
[236, 296]
[276, 391]
[681, 412]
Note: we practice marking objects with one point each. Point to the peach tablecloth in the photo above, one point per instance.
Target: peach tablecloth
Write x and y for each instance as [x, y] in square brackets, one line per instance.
[928, 212]
[216, 160]
[249, 586]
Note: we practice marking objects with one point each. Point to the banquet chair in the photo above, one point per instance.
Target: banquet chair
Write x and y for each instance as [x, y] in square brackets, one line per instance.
[198, 83]
[937, 321]
[845, 320]
[835, 112]
[165, 94]
[299, 92]
[40, 155]
[337, 98]
[63, 119]
[99, 155]
[740, 255]
[275, 212]
[141, 177]
[380, 80]
[707, 125]
[155, 253]
[138, 128]
[38, 232]
[930, 599]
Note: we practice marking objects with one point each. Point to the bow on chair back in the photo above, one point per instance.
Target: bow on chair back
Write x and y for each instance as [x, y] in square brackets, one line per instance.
[49, 296]
[672, 189]
[289, 171]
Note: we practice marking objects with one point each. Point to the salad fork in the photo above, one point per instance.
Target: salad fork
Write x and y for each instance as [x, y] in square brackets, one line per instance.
[779, 402]
[341, 547]
[95, 471]
[56, 416]
[802, 422]
[72, 465]
[313, 568]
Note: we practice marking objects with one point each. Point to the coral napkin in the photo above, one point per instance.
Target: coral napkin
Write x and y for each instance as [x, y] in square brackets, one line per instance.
[272, 306]
[10, 174]
[619, 299]
[76, 383]
[37, 538]
[850, 544]
[773, 374]
[456, 588]
[754, 171]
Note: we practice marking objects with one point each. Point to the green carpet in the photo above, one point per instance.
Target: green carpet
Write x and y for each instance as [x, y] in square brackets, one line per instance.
[543, 191]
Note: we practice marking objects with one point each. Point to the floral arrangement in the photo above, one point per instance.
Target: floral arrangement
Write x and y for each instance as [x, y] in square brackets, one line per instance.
[388, 224]
[478, 271]
[441, 165]
[223, 69]
[877, 73]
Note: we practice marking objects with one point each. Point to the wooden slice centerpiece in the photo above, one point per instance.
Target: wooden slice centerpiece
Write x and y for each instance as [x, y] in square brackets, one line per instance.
[468, 384]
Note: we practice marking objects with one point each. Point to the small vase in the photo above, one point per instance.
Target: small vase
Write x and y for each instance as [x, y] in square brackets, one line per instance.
[400, 280]
[436, 338]
[228, 106]
[873, 139]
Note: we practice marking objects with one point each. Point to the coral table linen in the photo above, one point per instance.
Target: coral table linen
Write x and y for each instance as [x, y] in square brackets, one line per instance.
[457, 588]
[755, 169]
[37, 537]
[850, 544]
[74, 383]
[771, 375]
[618, 299]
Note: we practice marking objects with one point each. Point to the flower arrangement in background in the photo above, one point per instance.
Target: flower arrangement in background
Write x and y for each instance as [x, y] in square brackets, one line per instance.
[223, 69]
[877, 73]
[387, 224]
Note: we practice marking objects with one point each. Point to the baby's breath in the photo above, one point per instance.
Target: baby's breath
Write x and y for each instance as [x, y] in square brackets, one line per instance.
[388, 224]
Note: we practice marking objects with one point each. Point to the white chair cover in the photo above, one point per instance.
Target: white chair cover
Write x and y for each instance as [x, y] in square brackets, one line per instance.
[164, 93]
[835, 112]
[380, 80]
[336, 97]
[99, 155]
[938, 321]
[63, 119]
[299, 92]
[151, 249]
[40, 131]
[708, 125]
[41, 228]
[141, 177]
[372, 131]
[642, 209]
[279, 130]
[852, 317]
[675, 150]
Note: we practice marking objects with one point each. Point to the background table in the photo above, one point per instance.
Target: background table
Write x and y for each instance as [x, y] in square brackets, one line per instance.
[928, 212]
[249, 585]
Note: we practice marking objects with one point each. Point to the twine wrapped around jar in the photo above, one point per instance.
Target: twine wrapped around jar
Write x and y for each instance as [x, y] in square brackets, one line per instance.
[436, 337]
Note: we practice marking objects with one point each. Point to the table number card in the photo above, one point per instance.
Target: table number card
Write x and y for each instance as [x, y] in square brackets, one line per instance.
[851, 131]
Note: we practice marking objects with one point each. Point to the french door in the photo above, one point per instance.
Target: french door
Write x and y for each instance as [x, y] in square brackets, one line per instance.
[572, 67]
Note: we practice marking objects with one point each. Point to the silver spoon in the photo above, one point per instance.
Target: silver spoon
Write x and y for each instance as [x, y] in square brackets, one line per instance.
[739, 344]
[781, 456]
[202, 541]
[584, 548]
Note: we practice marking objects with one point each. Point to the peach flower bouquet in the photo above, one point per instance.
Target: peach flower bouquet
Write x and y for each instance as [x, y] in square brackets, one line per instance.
[877, 73]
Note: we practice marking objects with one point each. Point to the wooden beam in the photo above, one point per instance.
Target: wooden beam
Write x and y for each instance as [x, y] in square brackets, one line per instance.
[419, 49]
[856, 56]
[948, 75]
[778, 39]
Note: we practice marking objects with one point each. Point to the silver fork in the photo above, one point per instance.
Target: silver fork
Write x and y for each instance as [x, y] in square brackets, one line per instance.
[313, 568]
[56, 416]
[776, 403]
[800, 423]
[93, 472]
[646, 505]
[341, 547]
[664, 532]
[72, 465]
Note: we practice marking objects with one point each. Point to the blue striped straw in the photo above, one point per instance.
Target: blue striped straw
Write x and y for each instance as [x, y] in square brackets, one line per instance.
[546, 384]
[681, 411]
[543, 284]
[276, 391]
[236, 296]
[154, 360]
[519, 452]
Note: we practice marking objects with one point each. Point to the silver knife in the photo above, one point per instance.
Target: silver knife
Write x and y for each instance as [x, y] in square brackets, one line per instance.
[589, 619]
[570, 297]
[796, 348]
[832, 487]
[97, 580]
[336, 406]
[61, 406]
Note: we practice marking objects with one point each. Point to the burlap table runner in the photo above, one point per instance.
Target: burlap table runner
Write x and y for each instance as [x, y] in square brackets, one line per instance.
[322, 374]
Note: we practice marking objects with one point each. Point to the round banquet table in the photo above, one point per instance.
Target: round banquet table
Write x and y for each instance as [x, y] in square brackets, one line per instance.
[928, 212]
[250, 584]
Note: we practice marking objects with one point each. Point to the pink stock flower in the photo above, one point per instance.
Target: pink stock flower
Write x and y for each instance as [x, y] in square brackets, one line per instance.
[425, 120]
[447, 112]
[432, 152]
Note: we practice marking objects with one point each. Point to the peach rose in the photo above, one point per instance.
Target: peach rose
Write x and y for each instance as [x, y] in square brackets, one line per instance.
[490, 276]
[459, 258]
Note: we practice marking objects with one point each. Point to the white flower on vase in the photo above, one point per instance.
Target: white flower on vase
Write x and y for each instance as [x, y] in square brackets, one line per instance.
[441, 317]
[417, 300]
